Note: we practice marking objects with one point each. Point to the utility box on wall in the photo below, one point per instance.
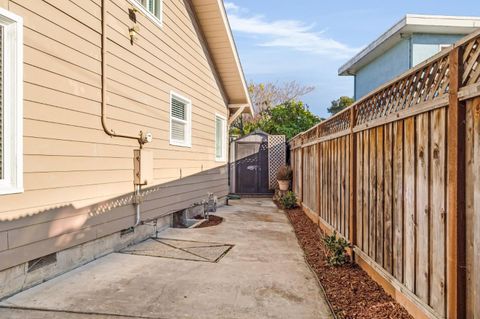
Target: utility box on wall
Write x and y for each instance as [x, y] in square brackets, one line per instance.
[143, 167]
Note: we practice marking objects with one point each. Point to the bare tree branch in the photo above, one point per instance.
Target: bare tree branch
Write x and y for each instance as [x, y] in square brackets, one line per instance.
[268, 95]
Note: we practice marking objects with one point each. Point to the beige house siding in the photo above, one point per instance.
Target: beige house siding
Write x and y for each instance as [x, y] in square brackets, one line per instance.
[70, 163]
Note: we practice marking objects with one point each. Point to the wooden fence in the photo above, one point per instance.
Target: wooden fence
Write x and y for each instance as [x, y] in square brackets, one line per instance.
[398, 175]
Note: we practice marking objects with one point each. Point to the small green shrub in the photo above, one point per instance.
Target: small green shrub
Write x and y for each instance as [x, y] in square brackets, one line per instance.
[289, 200]
[337, 250]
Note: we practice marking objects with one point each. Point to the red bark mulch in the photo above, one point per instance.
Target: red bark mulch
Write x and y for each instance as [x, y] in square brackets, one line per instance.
[212, 221]
[350, 291]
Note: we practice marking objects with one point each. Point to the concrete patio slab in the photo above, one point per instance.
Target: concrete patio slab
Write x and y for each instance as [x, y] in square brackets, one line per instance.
[263, 275]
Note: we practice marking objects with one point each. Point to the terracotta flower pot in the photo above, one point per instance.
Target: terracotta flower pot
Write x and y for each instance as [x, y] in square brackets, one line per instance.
[283, 185]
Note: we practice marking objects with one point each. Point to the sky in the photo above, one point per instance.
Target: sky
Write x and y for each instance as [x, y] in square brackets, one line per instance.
[309, 40]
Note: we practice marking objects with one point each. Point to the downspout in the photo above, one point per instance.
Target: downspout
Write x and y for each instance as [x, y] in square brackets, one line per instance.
[141, 138]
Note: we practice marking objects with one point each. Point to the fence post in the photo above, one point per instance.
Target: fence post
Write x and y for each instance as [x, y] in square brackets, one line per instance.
[456, 275]
[353, 181]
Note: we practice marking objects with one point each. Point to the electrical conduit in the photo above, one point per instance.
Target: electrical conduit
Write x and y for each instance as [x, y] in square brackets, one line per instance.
[140, 139]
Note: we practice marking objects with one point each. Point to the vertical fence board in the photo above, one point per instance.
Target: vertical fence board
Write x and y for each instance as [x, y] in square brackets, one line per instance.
[470, 208]
[341, 185]
[341, 201]
[398, 201]
[373, 194]
[380, 189]
[476, 223]
[456, 190]
[366, 190]
[324, 181]
[359, 181]
[347, 188]
[328, 172]
[337, 183]
[388, 202]
[331, 187]
[409, 209]
[422, 204]
[334, 182]
[330, 183]
[438, 210]
[317, 179]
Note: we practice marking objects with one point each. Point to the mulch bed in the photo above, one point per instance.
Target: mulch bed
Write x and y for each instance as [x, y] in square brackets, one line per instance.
[212, 221]
[350, 291]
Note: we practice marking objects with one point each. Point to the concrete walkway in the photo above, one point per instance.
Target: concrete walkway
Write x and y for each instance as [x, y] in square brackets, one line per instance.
[262, 275]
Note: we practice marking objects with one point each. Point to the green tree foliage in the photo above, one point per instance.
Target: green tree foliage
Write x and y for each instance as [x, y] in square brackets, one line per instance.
[289, 119]
[340, 104]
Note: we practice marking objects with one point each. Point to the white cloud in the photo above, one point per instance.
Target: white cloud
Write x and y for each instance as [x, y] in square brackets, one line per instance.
[291, 34]
[232, 7]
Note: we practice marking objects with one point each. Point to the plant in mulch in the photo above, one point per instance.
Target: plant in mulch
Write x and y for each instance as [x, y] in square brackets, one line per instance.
[350, 291]
[336, 250]
[289, 200]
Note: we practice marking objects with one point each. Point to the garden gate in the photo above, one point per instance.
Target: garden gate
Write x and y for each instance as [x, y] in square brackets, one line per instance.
[254, 161]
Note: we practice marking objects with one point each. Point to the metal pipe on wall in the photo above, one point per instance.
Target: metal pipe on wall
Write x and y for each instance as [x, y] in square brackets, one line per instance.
[141, 138]
[110, 132]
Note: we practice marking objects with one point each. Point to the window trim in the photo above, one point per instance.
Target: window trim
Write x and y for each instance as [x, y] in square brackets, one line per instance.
[12, 181]
[188, 122]
[223, 158]
[157, 20]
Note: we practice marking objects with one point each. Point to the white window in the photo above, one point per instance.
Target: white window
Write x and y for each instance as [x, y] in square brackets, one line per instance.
[180, 120]
[220, 138]
[151, 8]
[11, 103]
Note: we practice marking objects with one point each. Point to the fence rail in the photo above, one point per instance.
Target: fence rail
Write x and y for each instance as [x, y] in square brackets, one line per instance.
[398, 174]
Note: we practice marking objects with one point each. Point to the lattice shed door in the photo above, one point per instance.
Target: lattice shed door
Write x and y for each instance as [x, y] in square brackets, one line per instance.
[277, 156]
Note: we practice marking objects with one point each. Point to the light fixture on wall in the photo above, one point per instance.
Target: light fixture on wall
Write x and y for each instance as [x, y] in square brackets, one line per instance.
[133, 31]
[132, 14]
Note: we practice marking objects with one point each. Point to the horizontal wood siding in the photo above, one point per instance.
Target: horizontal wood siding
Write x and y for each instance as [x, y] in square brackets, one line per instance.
[71, 167]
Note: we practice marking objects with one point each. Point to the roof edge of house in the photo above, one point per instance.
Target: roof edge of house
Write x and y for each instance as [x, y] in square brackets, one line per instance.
[409, 24]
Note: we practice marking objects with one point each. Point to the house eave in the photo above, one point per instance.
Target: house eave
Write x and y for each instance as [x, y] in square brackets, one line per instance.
[213, 21]
[407, 26]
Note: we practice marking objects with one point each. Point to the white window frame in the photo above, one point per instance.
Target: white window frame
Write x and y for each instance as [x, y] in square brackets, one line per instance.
[224, 141]
[12, 176]
[157, 20]
[188, 129]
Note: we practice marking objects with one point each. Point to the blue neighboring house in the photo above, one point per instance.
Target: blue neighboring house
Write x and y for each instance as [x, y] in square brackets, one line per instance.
[411, 41]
